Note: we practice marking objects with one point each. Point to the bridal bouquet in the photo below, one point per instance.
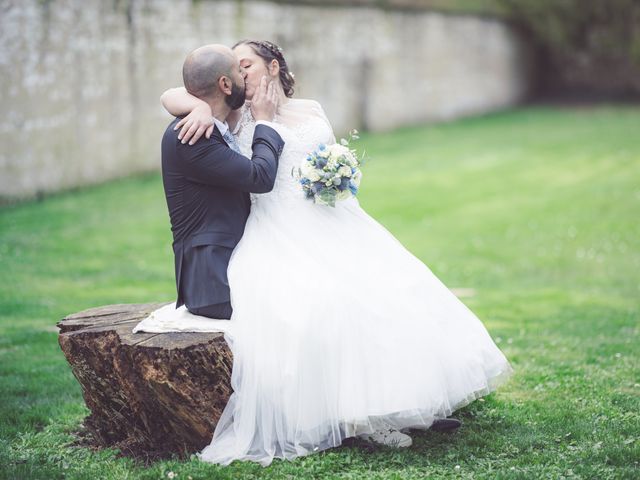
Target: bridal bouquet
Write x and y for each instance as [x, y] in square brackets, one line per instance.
[330, 173]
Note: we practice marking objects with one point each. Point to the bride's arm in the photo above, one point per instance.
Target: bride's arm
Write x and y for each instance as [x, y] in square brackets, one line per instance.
[198, 120]
[320, 112]
[178, 102]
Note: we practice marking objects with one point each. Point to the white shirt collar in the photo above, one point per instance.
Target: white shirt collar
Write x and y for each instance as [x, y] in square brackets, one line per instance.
[222, 126]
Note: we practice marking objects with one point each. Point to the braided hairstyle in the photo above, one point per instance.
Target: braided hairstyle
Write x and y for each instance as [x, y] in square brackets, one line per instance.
[269, 51]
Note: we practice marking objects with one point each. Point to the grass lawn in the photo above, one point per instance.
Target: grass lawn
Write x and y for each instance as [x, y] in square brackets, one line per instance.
[534, 212]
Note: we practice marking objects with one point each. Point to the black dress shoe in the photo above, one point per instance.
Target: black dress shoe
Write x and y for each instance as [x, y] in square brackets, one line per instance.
[445, 425]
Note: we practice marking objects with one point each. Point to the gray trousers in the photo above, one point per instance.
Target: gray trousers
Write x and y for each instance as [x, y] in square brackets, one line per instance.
[217, 310]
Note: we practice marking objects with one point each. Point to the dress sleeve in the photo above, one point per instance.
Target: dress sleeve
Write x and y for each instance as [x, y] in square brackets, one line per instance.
[319, 111]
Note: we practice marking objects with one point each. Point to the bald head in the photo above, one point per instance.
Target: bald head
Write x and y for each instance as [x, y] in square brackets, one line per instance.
[203, 68]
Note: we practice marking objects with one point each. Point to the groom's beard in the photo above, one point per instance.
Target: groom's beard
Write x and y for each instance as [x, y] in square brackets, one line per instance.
[237, 97]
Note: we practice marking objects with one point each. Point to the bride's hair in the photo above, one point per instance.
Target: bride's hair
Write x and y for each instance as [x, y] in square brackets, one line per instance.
[269, 51]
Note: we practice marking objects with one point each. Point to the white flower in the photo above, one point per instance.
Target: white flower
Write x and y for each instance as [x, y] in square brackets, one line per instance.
[324, 153]
[344, 171]
[314, 174]
[338, 150]
[171, 475]
[307, 170]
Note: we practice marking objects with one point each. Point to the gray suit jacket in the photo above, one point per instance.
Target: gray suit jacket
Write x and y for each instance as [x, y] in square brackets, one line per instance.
[207, 189]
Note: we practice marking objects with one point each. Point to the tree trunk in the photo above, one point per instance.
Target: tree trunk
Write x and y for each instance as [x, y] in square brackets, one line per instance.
[149, 394]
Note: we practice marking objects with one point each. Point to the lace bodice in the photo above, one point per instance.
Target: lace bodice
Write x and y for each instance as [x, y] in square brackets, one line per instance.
[303, 125]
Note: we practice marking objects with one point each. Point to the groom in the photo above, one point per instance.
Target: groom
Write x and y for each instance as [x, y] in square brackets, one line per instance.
[207, 184]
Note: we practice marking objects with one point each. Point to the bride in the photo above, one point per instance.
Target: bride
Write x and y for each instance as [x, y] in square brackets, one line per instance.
[338, 330]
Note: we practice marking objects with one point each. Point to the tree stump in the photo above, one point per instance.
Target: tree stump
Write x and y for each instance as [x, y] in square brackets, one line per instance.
[149, 394]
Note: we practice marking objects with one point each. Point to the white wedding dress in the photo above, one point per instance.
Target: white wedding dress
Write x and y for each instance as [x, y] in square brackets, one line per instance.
[335, 325]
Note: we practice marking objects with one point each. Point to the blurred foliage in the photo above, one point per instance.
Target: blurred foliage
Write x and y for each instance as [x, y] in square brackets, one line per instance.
[589, 44]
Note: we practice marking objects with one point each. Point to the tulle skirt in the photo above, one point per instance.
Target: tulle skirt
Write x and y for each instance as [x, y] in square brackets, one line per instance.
[337, 326]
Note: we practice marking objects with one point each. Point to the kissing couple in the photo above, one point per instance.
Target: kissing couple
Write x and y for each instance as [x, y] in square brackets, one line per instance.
[336, 329]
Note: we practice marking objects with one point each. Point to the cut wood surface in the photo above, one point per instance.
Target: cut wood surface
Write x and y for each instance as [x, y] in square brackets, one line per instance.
[150, 394]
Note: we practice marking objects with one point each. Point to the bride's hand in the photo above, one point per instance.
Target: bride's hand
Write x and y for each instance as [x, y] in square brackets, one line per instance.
[198, 122]
[265, 101]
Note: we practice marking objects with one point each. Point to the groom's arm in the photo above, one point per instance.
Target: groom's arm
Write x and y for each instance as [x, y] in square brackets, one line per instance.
[213, 163]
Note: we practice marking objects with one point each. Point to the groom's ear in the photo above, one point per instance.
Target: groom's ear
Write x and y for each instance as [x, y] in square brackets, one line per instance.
[225, 85]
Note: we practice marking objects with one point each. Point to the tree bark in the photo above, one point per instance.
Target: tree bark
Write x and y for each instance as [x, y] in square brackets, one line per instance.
[150, 395]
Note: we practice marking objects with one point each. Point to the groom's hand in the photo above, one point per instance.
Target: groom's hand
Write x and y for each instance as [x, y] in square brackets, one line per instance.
[264, 101]
[199, 121]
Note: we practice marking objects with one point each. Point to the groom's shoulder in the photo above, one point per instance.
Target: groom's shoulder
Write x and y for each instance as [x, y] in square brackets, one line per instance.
[170, 133]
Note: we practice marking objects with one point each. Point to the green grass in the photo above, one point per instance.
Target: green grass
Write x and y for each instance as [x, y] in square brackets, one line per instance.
[536, 209]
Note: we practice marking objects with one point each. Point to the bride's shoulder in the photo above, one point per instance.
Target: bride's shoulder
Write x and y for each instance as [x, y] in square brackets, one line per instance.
[305, 102]
[309, 105]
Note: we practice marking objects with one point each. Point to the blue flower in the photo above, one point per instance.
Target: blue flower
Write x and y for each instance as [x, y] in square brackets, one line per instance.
[353, 188]
[321, 162]
[321, 147]
[317, 187]
[305, 181]
[344, 184]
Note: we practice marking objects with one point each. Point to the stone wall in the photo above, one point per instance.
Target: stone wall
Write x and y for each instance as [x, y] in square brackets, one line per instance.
[80, 79]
